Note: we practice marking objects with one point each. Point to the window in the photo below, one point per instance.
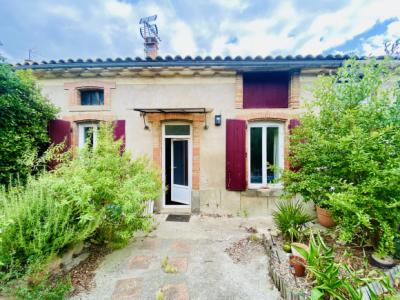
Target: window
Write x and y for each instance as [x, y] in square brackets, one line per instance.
[87, 133]
[177, 129]
[92, 97]
[266, 90]
[265, 153]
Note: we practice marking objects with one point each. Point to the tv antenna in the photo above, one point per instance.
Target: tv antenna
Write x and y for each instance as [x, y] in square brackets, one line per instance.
[149, 33]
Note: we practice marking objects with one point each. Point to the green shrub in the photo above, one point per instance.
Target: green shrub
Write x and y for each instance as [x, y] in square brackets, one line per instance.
[24, 114]
[335, 280]
[119, 186]
[289, 218]
[344, 155]
[39, 220]
[99, 194]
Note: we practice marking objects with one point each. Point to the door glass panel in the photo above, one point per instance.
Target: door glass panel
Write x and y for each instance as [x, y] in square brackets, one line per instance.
[177, 129]
[272, 154]
[180, 161]
[256, 155]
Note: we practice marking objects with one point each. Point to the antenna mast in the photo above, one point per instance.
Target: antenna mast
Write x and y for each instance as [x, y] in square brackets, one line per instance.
[149, 33]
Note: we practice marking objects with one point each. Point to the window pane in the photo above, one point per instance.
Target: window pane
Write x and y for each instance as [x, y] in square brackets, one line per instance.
[177, 129]
[181, 162]
[272, 153]
[256, 155]
[92, 97]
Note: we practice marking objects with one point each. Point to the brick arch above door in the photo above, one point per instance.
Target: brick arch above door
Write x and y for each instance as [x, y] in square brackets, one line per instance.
[197, 120]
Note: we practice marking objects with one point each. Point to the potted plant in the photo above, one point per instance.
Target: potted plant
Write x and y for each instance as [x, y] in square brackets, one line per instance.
[298, 264]
[324, 217]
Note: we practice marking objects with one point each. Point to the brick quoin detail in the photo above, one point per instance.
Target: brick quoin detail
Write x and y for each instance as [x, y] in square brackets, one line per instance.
[272, 116]
[239, 91]
[294, 90]
[75, 87]
[196, 120]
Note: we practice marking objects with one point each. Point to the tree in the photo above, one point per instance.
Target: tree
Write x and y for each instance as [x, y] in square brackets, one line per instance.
[345, 154]
[24, 114]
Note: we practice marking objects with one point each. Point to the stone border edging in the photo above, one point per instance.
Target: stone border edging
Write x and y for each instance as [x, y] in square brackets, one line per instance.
[286, 292]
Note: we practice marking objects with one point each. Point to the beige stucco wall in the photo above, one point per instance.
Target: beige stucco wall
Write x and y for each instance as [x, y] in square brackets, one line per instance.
[216, 93]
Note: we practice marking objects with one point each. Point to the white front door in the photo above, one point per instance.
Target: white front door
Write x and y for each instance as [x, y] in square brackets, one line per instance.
[180, 187]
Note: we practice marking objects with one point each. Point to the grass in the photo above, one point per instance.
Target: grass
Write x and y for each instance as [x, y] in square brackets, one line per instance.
[167, 267]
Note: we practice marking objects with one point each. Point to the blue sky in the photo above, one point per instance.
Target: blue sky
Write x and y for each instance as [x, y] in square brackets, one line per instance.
[110, 28]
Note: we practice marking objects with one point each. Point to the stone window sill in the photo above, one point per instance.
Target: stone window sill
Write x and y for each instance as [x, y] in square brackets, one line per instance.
[89, 108]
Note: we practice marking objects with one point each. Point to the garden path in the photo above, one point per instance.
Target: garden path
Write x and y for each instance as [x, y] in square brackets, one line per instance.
[198, 250]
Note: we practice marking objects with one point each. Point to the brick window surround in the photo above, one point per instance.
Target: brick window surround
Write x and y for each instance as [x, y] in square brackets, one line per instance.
[83, 118]
[75, 87]
[197, 120]
[272, 116]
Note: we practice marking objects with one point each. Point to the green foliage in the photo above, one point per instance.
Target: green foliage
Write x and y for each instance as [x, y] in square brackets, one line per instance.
[99, 194]
[346, 152]
[24, 114]
[167, 266]
[42, 218]
[289, 218]
[44, 290]
[119, 186]
[335, 280]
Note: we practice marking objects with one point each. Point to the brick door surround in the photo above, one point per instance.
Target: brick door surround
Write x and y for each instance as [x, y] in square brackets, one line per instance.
[196, 120]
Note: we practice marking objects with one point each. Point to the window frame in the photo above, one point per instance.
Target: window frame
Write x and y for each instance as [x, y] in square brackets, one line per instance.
[281, 149]
[94, 89]
[81, 133]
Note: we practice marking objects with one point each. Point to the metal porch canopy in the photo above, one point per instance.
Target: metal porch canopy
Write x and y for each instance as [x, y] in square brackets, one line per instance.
[182, 110]
[186, 110]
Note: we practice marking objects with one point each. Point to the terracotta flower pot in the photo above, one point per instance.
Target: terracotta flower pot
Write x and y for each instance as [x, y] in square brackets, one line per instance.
[325, 217]
[298, 265]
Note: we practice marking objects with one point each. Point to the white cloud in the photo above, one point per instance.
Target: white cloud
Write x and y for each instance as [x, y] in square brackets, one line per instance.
[110, 28]
[63, 11]
[375, 44]
[238, 5]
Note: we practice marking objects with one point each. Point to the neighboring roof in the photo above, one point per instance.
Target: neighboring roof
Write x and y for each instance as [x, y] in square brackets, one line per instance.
[235, 63]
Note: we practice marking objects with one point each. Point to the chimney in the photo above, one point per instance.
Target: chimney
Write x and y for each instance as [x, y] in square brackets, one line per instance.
[151, 47]
[149, 33]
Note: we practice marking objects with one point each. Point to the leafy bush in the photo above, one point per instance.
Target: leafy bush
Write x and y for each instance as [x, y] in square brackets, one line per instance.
[99, 194]
[24, 114]
[335, 280]
[344, 155]
[289, 218]
[41, 219]
[119, 186]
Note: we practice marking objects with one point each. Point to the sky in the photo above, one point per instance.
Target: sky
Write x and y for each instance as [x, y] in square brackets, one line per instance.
[61, 29]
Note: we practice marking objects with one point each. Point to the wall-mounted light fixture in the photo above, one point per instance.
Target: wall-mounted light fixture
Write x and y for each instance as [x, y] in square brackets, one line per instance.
[217, 120]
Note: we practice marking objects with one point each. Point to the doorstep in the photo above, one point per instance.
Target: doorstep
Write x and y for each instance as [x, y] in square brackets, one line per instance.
[175, 210]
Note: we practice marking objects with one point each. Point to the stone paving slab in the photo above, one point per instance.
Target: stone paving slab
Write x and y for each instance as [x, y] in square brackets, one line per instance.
[139, 262]
[175, 292]
[181, 263]
[180, 246]
[197, 249]
[127, 288]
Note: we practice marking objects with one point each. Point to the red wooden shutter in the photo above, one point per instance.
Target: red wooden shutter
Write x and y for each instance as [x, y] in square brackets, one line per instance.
[266, 90]
[60, 131]
[293, 123]
[119, 132]
[235, 155]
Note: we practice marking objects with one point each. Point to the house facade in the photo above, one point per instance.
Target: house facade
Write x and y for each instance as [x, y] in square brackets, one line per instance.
[218, 128]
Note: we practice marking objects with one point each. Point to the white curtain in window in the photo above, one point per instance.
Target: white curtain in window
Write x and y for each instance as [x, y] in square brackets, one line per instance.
[276, 153]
